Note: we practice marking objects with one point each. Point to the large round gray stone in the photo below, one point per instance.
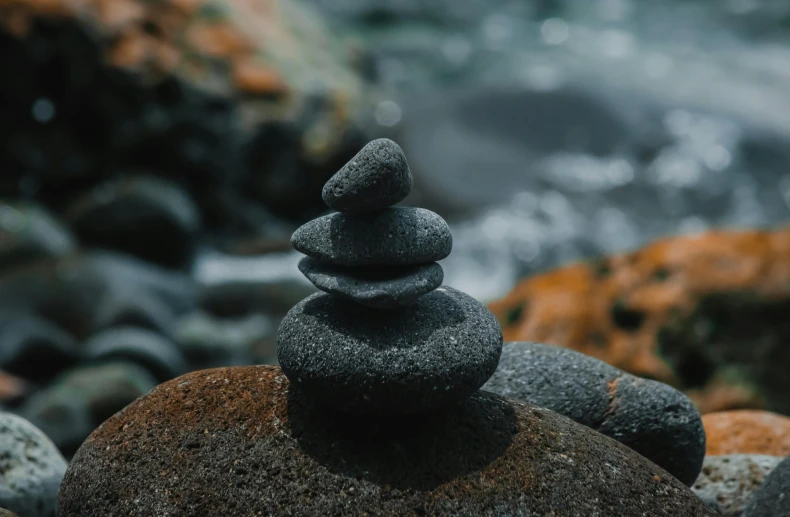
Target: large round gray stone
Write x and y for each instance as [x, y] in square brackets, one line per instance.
[430, 354]
[727, 482]
[31, 468]
[377, 177]
[378, 287]
[652, 418]
[773, 498]
[393, 237]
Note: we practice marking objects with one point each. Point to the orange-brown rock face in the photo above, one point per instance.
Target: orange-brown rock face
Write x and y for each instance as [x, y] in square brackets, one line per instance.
[747, 432]
[708, 313]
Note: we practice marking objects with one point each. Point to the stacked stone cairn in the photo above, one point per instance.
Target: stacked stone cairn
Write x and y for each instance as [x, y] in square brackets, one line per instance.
[384, 337]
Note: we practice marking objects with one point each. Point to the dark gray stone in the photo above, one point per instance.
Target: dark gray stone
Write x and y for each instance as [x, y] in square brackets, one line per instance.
[77, 402]
[773, 498]
[144, 216]
[727, 482]
[238, 442]
[28, 233]
[394, 237]
[377, 177]
[378, 287]
[31, 468]
[34, 348]
[154, 352]
[654, 419]
[430, 354]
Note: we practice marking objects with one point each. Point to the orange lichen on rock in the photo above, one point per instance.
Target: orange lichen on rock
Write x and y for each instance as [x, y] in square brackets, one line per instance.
[659, 312]
[747, 432]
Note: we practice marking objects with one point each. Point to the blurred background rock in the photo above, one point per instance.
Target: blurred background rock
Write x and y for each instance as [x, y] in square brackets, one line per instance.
[155, 156]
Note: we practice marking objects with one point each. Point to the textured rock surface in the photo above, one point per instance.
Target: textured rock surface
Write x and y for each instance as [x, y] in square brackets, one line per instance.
[174, 451]
[379, 287]
[393, 237]
[747, 432]
[31, 468]
[376, 178]
[652, 418]
[433, 353]
[6, 513]
[727, 482]
[773, 497]
[158, 355]
[685, 310]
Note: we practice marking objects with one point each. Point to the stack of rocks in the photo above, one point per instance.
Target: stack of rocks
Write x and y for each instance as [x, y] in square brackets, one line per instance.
[384, 337]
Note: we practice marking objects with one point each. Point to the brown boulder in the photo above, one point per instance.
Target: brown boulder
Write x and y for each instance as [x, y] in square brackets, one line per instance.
[238, 442]
[747, 432]
[706, 313]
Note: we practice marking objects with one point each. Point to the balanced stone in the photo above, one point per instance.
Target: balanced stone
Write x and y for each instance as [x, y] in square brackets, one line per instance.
[393, 237]
[383, 287]
[430, 354]
[377, 177]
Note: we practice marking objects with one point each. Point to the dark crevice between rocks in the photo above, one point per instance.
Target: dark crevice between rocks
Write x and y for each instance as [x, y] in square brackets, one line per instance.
[737, 335]
[626, 318]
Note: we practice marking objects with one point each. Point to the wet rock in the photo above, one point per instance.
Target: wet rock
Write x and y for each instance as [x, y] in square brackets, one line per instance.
[771, 499]
[146, 217]
[150, 350]
[747, 432]
[28, 232]
[684, 310]
[393, 237]
[34, 348]
[727, 482]
[32, 468]
[72, 292]
[651, 418]
[378, 287]
[376, 178]
[74, 404]
[428, 355]
[486, 456]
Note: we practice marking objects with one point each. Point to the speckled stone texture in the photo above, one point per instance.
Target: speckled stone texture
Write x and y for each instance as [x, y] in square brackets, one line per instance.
[380, 287]
[31, 468]
[726, 483]
[393, 237]
[773, 498]
[237, 442]
[431, 354]
[377, 177]
[652, 418]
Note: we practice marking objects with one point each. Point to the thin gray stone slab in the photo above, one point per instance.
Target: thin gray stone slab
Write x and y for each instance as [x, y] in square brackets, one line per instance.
[377, 177]
[383, 287]
[398, 236]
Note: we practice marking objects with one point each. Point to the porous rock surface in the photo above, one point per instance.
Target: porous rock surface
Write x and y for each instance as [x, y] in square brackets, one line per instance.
[727, 482]
[239, 442]
[376, 178]
[381, 287]
[772, 499]
[433, 353]
[652, 418]
[393, 237]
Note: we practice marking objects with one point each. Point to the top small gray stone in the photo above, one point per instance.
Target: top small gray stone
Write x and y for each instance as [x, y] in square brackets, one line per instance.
[376, 178]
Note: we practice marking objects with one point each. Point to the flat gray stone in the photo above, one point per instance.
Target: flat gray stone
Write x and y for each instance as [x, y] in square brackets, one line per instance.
[31, 468]
[383, 287]
[430, 354]
[377, 177]
[727, 482]
[650, 417]
[398, 236]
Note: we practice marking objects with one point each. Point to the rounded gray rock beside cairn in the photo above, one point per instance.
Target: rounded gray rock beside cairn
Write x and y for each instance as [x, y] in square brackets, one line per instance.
[384, 337]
